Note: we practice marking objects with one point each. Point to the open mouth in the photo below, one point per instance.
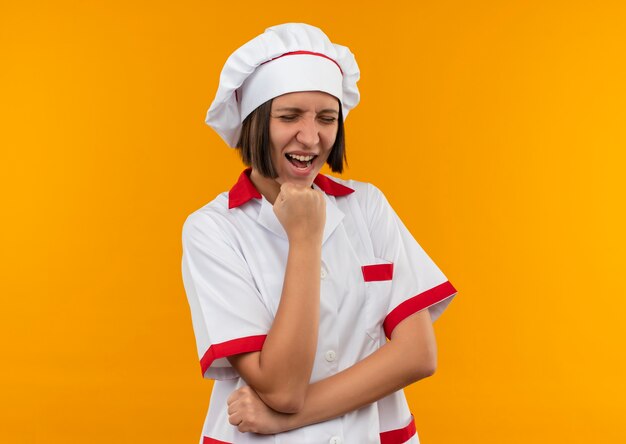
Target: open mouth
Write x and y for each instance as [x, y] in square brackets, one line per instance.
[301, 162]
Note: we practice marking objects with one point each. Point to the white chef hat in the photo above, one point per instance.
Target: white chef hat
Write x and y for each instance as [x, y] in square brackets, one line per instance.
[285, 58]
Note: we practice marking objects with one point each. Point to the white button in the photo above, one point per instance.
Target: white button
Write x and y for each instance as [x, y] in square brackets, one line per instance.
[323, 273]
[335, 440]
[330, 356]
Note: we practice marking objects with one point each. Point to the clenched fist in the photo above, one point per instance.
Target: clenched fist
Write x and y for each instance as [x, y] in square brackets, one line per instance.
[249, 413]
[301, 211]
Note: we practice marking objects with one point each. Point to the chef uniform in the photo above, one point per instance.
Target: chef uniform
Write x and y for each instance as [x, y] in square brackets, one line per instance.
[373, 272]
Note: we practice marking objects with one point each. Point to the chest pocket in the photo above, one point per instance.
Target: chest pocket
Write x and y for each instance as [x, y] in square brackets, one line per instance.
[378, 279]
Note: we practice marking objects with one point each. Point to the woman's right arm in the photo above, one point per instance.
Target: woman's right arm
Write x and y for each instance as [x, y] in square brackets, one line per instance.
[281, 371]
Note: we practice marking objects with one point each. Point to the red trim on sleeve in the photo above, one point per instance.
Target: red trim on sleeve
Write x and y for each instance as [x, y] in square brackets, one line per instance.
[207, 440]
[417, 303]
[230, 348]
[399, 436]
[377, 272]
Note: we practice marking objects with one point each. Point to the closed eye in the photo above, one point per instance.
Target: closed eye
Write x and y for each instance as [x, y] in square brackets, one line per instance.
[288, 117]
[328, 119]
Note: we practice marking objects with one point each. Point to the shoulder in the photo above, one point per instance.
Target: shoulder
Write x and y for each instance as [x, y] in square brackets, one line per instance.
[209, 221]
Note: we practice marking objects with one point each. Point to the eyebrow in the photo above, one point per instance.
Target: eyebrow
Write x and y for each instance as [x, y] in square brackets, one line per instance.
[299, 110]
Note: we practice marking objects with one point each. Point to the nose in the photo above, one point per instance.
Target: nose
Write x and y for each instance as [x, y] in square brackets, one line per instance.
[308, 132]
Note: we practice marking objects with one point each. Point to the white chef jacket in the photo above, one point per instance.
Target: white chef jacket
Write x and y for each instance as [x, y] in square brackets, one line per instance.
[373, 275]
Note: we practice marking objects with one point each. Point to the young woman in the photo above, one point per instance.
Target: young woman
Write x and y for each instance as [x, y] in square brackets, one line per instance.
[295, 279]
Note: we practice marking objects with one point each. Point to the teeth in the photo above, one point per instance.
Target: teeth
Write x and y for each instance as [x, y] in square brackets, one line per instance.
[301, 158]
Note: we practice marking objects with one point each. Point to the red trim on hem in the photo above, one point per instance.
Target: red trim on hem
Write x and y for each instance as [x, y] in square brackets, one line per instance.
[207, 440]
[399, 436]
[415, 304]
[306, 53]
[377, 272]
[244, 190]
[230, 348]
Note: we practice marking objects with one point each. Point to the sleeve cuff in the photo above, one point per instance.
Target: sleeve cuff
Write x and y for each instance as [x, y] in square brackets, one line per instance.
[417, 303]
[230, 348]
[399, 436]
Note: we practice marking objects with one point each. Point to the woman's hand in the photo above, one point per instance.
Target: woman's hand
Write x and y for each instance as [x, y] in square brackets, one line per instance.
[301, 211]
[250, 414]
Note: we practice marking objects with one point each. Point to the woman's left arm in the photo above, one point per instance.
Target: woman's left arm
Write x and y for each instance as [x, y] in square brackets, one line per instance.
[409, 356]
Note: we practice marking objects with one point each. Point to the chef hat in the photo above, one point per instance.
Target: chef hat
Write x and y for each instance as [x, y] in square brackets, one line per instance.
[285, 58]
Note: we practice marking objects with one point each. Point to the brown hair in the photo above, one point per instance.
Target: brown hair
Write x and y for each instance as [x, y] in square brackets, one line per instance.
[254, 142]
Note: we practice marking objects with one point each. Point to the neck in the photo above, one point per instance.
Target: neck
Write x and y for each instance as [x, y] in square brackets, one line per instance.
[268, 187]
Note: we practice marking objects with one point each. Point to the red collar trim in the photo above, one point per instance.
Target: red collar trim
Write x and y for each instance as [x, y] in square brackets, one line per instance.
[244, 190]
[331, 187]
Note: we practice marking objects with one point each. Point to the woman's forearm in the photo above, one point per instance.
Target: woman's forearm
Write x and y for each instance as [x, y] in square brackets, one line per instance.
[408, 357]
[281, 372]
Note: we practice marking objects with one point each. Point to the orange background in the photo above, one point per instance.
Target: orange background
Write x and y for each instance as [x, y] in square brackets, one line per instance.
[496, 130]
